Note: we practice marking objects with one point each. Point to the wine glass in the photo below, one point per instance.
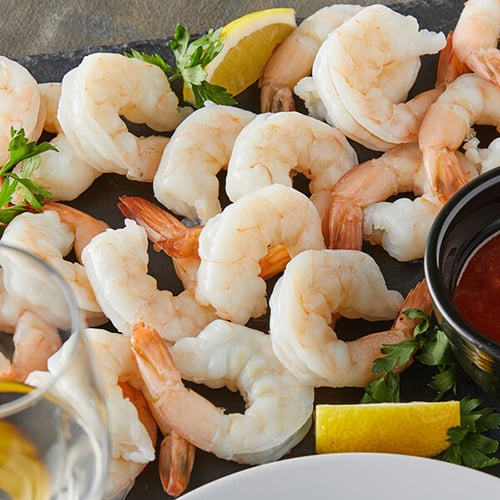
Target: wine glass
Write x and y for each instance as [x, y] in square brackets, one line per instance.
[54, 439]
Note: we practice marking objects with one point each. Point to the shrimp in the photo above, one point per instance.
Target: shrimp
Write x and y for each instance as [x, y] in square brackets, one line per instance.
[97, 93]
[232, 243]
[468, 100]
[319, 285]
[180, 242]
[274, 145]
[186, 181]
[293, 58]
[475, 38]
[34, 342]
[116, 262]
[51, 238]
[398, 170]
[364, 70]
[278, 407]
[133, 431]
[21, 105]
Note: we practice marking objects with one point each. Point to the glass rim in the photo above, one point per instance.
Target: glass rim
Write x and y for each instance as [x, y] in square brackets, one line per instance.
[75, 331]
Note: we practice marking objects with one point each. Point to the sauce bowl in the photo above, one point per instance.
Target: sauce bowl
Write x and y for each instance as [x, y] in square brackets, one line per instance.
[470, 217]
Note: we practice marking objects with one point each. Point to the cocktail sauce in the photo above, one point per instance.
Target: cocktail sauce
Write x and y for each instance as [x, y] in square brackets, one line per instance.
[477, 295]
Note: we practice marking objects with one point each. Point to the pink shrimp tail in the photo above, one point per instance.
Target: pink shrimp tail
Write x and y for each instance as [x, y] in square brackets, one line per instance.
[445, 173]
[162, 228]
[158, 370]
[345, 225]
[417, 298]
[176, 463]
[486, 63]
[449, 66]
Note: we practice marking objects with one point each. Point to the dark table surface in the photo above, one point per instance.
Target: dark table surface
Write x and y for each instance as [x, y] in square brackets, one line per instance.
[57, 33]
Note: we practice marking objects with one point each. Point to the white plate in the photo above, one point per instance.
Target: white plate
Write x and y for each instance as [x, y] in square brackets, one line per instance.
[352, 476]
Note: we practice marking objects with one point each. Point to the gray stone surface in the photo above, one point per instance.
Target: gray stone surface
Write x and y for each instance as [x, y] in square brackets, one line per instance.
[30, 27]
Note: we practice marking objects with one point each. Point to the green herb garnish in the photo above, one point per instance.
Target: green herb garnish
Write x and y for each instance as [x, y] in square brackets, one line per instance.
[469, 446]
[430, 346]
[191, 60]
[33, 195]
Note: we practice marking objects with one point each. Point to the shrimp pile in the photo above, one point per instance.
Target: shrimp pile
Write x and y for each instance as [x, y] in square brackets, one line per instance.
[227, 269]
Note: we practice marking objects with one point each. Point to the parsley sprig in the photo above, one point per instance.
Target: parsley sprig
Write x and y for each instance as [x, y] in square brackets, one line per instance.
[32, 195]
[430, 346]
[191, 59]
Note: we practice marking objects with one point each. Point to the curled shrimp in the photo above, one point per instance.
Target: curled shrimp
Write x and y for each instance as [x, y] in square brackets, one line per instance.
[21, 105]
[365, 69]
[293, 58]
[475, 38]
[232, 243]
[116, 262]
[468, 100]
[94, 96]
[51, 238]
[317, 287]
[278, 407]
[186, 181]
[274, 146]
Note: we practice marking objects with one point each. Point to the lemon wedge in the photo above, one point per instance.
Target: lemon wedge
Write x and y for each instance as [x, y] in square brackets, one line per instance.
[248, 42]
[415, 428]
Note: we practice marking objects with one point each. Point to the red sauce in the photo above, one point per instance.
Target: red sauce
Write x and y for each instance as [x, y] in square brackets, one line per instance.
[477, 296]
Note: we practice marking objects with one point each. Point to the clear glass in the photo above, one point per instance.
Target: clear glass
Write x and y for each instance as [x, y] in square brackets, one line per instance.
[54, 438]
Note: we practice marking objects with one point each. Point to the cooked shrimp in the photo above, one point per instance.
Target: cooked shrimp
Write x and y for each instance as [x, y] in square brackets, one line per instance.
[468, 100]
[116, 262]
[293, 58]
[274, 146]
[21, 105]
[34, 342]
[318, 286]
[398, 170]
[364, 70]
[475, 38]
[51, 238]
[186, 181]
[180, 242]
[278, 407]
[97, 93]
[133, 432]
[232, 243]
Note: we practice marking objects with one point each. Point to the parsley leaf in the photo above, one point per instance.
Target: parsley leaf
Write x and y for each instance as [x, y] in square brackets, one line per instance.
[191, 60]
[469, 446]
[32, 195]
